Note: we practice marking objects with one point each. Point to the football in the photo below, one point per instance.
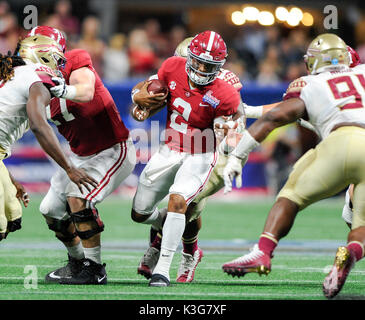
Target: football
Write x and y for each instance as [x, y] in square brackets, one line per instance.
[157, 86]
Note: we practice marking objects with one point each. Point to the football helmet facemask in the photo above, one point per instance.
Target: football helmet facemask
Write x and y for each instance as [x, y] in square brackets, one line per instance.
[327, 51]
[206, 55]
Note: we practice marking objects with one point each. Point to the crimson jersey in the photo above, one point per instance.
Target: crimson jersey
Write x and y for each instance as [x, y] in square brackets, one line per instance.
[89, 127]
[191, 111]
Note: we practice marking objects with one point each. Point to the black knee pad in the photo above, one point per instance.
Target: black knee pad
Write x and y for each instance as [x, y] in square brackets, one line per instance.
[61, 226]
[90, 214]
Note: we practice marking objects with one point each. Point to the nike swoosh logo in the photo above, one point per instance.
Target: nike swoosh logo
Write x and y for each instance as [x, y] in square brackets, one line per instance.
[54, 276]
[203, 105]
[101, 279]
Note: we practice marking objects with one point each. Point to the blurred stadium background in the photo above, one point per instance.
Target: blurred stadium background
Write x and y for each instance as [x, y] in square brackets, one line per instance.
[128, 40]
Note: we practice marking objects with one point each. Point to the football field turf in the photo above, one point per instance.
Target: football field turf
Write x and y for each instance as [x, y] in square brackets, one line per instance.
[301, 260]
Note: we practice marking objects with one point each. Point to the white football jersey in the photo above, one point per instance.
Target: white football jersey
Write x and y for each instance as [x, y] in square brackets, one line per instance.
[13, 100]
[333, 97]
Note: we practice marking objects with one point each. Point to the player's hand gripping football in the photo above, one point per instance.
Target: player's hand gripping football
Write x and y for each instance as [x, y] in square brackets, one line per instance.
[148, 100]
[81, 178]
[232, 170]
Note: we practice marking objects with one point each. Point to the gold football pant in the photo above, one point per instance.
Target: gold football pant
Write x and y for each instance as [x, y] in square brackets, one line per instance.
[324, 171]
[10, 207]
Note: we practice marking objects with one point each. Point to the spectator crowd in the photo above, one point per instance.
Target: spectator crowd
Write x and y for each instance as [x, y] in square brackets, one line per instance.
[266, 55]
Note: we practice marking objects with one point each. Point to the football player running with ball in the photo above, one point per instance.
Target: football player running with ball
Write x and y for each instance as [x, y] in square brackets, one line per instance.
[182, 166]
[24, 96]
[331, 99]
[192, 254]
[86, 115]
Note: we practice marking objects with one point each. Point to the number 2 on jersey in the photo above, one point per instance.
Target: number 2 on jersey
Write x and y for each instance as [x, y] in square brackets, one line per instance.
[354, 90]
[184, 109]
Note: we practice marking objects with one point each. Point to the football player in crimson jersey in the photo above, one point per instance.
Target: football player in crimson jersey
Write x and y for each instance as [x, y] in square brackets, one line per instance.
[24, 97]
[86, 115]
[331, 97]
[192, 254]
[184, 162]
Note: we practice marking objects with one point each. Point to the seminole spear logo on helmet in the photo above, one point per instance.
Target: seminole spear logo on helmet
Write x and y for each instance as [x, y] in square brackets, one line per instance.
[326, 51]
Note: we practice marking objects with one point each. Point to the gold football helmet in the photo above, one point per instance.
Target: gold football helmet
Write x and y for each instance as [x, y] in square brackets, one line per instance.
[182, 49]
[326, 50]
[42, 49]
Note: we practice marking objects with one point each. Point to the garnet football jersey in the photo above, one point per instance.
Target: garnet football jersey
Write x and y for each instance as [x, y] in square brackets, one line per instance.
[92, 126]
[191, 111]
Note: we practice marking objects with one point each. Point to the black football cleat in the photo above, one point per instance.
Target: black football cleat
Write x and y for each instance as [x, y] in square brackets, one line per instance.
[158, 280]
[91, 273]
[72, 268]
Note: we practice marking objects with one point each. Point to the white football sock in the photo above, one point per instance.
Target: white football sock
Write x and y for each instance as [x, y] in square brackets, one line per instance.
[93, 254]
[76, 251]
[172, 231]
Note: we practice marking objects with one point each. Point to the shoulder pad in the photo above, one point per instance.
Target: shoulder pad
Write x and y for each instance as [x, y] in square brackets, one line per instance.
[45, 69]
[45, 74]
[231, 78]
[295, 88]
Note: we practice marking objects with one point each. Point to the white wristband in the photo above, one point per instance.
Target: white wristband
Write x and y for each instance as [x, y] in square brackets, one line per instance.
[134, 91]
[70, 93]
[245, 146]
[253, 112]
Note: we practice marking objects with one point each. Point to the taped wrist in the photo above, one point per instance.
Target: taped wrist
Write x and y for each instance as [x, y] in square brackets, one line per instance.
[245, 146]
[88, 215]
[253, 112]
[70, 92]
[61, 229]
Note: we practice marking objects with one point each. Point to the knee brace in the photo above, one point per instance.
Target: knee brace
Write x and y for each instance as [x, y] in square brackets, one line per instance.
[85, 216]
[61, 226]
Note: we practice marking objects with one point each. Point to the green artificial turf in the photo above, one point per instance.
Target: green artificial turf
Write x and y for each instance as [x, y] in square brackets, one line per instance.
[301, 260]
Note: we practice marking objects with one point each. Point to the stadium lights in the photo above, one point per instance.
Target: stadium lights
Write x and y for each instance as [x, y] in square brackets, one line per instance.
[295, 16]
[238, 18]
[250, 13]
[281, 13]
[292, 17]
[266, 18]
[307, 19]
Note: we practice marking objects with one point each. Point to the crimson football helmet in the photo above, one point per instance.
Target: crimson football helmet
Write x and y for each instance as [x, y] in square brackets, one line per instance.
[207, 54]
[49, 32]
[354, 57]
